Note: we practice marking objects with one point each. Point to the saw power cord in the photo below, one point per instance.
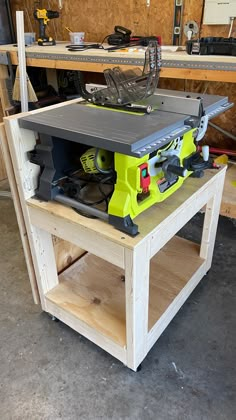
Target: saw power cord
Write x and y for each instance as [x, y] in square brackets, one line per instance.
[104, 197]
[84, 47]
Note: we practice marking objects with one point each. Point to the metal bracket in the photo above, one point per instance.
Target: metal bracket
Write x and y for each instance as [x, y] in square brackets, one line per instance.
[177, 104]
[4, 58]
[202, 128]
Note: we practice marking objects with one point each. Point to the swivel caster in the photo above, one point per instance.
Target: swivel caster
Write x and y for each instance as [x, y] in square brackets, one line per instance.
[53, 318]
[139, 368]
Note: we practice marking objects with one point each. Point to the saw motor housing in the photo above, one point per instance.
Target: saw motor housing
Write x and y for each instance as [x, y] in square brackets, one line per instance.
[142, 182]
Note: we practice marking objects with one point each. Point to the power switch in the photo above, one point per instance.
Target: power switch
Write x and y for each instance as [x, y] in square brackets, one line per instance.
[145, 178]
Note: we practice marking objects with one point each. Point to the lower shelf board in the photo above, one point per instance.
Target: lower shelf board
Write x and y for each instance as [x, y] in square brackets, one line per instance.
[170, 271]
[93, 290]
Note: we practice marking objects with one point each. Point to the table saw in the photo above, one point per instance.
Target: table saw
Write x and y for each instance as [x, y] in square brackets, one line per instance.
[134, 160]
[125, 147]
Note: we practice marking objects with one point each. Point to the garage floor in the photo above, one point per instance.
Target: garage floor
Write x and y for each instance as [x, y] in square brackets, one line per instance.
[48, 371]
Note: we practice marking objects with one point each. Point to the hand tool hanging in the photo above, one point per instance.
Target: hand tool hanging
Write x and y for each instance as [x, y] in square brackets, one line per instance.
[178, 13]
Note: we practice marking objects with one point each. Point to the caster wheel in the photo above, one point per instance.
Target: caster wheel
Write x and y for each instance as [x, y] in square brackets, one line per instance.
[139, 367]
[53, 318]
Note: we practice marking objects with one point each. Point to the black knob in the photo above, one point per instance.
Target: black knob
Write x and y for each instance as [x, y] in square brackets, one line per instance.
[177, 170]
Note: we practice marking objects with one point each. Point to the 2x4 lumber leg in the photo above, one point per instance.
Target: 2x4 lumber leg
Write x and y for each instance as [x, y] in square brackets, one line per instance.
[137, 265]
[210, 223]
[44, 261]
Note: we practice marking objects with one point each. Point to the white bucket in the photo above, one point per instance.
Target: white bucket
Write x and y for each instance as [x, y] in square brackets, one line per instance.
[77, 37]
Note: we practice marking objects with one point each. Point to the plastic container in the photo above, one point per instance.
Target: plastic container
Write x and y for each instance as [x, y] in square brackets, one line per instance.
[29, 38]
[77, 38]
[212, 46]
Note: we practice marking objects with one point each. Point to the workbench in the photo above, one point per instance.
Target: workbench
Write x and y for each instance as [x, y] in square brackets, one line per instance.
[177, 65]
[123, 292]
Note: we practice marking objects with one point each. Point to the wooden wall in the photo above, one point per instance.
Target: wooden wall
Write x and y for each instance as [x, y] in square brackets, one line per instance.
[98, 18]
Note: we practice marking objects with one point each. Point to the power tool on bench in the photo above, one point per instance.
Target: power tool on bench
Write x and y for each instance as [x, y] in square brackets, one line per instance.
[107, 157]
[120, 36]
[44, 16]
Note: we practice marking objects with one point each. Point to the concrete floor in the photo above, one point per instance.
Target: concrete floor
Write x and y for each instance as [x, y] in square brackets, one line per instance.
[48, 371]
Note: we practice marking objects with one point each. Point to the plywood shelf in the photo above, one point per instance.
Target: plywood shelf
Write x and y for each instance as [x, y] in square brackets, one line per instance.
[170, 271]
[93, 290]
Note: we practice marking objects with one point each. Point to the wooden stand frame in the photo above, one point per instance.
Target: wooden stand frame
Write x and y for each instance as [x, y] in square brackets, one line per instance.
[123, 292]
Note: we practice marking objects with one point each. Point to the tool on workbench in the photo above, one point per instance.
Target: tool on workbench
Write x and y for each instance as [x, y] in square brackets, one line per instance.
[107, 161]
[121, 36]
[144, 40]
[43, 16]
[115, 165]
[212, 46]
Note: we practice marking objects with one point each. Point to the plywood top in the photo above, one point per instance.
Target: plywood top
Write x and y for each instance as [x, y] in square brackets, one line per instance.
[60, 48]
[147, 221]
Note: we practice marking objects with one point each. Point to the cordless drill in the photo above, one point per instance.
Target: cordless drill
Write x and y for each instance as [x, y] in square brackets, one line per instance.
[44, 16]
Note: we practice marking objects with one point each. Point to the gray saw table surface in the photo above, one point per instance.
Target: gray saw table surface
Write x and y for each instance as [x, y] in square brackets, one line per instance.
[123, 132]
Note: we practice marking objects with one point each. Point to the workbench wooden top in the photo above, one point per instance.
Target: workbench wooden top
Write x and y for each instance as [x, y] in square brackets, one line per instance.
[167, 53]
[175, 64]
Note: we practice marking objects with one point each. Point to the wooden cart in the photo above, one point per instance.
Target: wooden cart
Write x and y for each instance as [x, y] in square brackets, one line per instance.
[122, 292]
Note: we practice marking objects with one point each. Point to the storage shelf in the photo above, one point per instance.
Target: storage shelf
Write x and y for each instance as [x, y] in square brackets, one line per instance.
[170, 271]
[93, 290]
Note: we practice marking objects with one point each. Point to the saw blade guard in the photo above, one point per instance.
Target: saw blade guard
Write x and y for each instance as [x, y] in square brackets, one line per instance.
[131, 86]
